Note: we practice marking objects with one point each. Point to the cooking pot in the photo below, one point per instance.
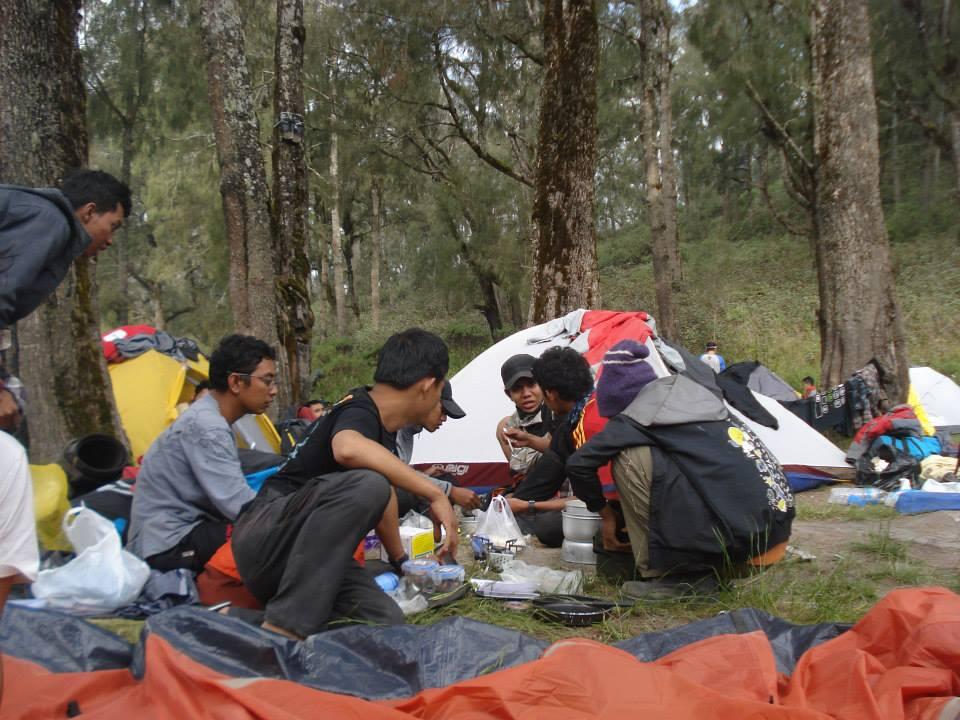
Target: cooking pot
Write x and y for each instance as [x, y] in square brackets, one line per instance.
[579, 528]
[578, 552]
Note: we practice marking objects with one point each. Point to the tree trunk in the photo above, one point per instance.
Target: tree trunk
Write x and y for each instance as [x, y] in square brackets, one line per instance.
[290, 192]
[859, 318]
[336, 245]
[376, 249]
[895, 159]
[59, 354]
[658, 159]
[243, 179]
[565, 274]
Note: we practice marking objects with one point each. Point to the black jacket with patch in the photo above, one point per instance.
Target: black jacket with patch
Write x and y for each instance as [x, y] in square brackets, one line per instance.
[717, 490]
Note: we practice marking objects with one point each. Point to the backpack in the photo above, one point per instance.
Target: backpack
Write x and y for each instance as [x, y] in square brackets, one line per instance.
[291, 432]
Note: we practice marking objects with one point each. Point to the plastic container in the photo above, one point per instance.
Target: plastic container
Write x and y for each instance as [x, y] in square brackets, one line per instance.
[387, 581]
[447, 578]
[857, 496]
[420, 573]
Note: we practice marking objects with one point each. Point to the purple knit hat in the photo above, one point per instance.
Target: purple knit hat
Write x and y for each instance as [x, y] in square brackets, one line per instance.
[624, 374]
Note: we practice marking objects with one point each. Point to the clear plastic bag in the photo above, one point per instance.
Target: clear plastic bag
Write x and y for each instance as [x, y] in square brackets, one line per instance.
[547, 580]
[101, 578]
[499, 525]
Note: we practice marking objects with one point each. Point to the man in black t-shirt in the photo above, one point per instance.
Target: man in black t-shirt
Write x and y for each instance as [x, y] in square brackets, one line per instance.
[294, 545]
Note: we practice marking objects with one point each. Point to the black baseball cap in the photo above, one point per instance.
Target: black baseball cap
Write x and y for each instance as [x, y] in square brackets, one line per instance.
[450, 406]
[515, 368]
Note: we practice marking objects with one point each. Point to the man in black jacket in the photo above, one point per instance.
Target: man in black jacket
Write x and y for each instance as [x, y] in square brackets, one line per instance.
[698, 489]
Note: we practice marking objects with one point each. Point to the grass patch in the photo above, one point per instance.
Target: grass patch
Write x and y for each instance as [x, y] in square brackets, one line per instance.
[844, 512]
[881, 544]
[129, 630]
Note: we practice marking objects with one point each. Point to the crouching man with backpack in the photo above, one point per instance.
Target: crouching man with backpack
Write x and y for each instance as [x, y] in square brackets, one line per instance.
[699, 490]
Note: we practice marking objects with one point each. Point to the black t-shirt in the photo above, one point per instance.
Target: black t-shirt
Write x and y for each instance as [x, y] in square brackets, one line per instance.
[313, 456]
[547, 475]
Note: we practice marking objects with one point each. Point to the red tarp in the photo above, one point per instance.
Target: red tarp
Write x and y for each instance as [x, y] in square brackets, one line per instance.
[900, 661]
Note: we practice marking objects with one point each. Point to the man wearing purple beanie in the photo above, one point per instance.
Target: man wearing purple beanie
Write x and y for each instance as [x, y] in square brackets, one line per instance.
[698, 489]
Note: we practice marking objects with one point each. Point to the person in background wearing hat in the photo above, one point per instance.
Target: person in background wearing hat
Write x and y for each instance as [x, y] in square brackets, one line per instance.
[525, 435]
[699, 490]
[714, 359]
[464, 497]
[567, 385]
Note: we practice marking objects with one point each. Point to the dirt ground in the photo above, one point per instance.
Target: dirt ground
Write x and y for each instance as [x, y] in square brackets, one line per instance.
[930, 538]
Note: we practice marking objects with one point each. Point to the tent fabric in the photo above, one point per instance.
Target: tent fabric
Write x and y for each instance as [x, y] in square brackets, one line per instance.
[900, 661]
[468, 450]
[939, 395]
[761, 379]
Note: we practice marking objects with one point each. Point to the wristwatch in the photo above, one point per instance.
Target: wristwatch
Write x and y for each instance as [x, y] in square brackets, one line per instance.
[531, 506]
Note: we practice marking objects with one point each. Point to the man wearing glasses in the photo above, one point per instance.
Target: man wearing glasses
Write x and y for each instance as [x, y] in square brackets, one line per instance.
[191, 487]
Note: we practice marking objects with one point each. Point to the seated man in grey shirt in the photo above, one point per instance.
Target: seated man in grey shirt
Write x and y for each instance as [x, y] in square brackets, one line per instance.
[191, 487]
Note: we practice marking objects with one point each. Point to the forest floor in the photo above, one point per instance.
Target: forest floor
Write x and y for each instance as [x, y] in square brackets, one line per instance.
[859, 554]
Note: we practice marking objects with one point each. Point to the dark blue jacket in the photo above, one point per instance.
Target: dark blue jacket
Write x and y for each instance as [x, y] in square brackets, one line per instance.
[39, 239]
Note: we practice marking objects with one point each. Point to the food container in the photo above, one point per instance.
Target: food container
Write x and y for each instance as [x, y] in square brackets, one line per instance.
[580, 553]
[420, 573]
[580, 528]
[447, 578]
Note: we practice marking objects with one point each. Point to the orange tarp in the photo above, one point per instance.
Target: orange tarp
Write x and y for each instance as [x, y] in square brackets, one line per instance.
[901, 661]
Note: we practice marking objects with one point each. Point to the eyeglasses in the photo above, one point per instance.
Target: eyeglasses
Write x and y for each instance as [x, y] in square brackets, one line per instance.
[268, 380]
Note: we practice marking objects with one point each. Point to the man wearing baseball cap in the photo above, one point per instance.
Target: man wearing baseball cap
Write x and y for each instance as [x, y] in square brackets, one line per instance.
[464, 497]
[525, 435]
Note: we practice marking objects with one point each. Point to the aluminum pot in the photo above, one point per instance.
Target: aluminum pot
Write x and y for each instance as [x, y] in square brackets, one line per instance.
[579, 509]
[580, 529]
[578, 552]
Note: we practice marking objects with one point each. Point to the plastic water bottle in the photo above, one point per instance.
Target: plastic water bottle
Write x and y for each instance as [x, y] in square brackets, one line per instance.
[856, 496]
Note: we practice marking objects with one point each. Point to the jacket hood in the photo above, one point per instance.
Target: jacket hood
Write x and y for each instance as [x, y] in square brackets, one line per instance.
[675, 400]
[79, 238]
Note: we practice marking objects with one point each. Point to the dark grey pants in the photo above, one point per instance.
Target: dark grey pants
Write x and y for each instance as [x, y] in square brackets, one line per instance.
[547, 525]
[295, 553]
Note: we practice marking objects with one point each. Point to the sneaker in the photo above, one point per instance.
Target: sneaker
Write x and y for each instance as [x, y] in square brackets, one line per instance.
[672, 586]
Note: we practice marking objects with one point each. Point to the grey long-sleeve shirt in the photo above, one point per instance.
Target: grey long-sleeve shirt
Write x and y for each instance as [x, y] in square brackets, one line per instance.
[191, 473]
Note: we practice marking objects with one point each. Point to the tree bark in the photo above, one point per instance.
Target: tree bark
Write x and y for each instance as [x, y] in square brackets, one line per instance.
[243, 179]
[290, 192]
[42, 136]
[859, 317]
[376, 249]
[565, 273]
[336, 244]
[656, 110]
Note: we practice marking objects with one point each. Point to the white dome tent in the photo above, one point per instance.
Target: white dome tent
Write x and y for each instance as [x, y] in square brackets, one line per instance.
[468, 449]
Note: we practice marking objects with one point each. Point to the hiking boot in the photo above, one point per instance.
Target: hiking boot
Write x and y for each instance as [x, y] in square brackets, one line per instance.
[671, 587]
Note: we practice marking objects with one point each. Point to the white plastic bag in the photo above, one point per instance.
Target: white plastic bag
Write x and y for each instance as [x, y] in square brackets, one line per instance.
[102, 577]
[499, 525]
